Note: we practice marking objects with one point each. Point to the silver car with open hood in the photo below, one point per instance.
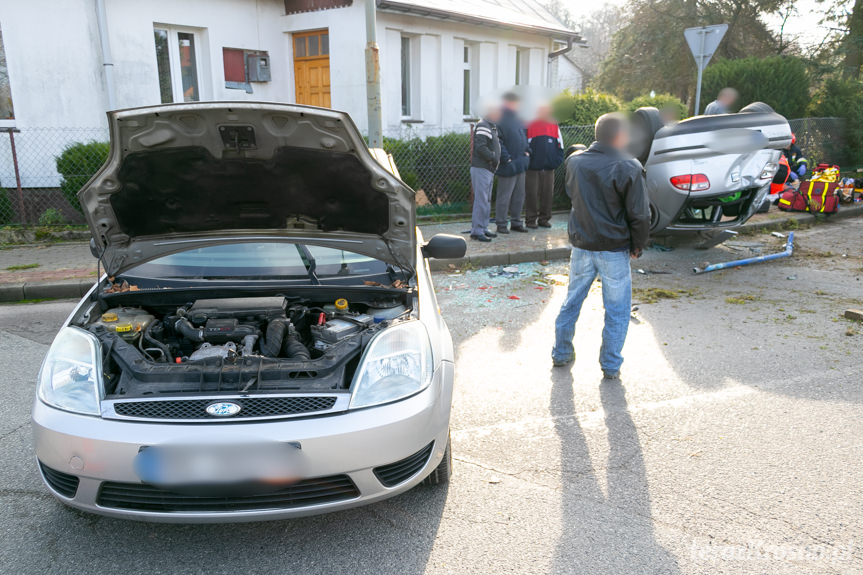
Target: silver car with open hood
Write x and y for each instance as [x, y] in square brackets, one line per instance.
[265, 342]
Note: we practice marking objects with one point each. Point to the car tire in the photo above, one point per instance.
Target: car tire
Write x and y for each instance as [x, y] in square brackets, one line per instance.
[757, 108]
[443, 471]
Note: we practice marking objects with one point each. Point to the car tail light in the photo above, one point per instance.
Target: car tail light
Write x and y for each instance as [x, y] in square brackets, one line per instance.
[691, 182]
[769, 171]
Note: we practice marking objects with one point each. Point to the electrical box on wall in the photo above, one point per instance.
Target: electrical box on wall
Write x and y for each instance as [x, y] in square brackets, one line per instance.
[258, 67]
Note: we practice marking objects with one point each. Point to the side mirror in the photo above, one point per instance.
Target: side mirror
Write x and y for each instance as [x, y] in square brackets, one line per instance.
[445, 247]
[94, 250]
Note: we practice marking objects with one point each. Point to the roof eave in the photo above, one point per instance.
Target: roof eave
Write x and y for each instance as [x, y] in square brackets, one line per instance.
[428, 12]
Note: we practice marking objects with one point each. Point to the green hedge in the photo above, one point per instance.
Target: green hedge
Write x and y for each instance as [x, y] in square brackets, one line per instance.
[437, 165]
[584, 108]
[77, 164]
[7, 212]
[659, 101]
[780, 81]
[839, 98]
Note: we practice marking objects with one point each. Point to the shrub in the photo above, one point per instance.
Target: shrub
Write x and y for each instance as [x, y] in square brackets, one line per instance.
[839, 98]
[51, 217]
[659, 101]
[438, 165]
[583, 108]
[77, 164]
[780, 81]
[7, 212]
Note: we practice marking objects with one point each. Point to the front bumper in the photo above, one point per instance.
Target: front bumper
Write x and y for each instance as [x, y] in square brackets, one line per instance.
[353, 444]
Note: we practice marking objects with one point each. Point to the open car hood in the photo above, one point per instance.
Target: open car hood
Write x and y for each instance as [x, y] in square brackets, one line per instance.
[185, 176]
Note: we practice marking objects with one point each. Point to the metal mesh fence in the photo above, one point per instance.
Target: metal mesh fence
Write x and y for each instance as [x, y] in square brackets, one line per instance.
[41, 169]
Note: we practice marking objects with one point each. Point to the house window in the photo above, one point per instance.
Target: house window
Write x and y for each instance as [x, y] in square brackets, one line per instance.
[406, 75]
[522, 65]
[469, 79]
[177, 54]
[7, 112]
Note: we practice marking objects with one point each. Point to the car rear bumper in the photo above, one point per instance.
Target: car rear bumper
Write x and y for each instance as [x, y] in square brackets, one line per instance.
[341, 454]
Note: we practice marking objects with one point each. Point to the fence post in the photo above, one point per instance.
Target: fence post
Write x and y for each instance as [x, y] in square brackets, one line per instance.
[21, 207]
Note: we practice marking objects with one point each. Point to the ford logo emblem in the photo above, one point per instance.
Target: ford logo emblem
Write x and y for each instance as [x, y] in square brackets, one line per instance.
[223, 409]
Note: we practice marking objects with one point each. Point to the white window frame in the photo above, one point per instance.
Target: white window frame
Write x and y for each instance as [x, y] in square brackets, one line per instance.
[413, 81]
[174, 60]
[522, 66]
[470, 64]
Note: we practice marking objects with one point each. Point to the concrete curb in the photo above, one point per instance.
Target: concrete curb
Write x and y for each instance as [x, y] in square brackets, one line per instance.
[44, 290]
[77, 288]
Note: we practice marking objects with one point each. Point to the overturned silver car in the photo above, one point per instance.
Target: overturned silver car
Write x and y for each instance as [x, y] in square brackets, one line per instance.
[708, 172]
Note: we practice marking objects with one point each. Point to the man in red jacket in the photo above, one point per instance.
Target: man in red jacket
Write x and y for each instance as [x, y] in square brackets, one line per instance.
[546, 153]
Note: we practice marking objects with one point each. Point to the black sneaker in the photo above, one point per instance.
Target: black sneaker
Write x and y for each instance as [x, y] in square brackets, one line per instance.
[501, 230]
[532, 226]
[611, 375]
[545, 224]
[490, 234]
[563, 362]
[482, 238]
[521, 229]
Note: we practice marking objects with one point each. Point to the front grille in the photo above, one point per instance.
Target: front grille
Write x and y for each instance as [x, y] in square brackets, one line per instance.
[143, 497]
[400, 471]
[62, 483]
[197, 408]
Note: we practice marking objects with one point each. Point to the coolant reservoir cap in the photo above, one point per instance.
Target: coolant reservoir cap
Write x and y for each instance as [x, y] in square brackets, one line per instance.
[109, 316]
[341, 304]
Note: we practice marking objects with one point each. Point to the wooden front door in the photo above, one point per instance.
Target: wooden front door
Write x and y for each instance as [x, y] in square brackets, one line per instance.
[312, 68]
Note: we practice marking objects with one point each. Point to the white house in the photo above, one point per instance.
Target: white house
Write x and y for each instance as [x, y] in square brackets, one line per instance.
[436, 56]
[64, 63]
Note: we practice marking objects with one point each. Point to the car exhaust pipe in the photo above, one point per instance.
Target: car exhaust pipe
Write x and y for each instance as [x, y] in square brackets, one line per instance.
[789, 249]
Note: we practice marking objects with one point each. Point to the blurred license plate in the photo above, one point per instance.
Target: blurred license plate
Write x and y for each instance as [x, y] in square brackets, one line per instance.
[219, 464]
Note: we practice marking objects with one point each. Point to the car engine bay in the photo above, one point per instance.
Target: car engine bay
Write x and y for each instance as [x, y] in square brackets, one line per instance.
[239, 344]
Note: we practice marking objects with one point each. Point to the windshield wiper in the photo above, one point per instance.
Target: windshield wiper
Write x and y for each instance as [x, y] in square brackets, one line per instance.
[309, 262]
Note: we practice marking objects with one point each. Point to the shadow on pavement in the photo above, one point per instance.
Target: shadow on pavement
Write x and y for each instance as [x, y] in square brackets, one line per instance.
[596, 527]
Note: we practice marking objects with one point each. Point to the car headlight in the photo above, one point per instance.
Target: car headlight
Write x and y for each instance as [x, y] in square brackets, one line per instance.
[397, 363]
[70, 378]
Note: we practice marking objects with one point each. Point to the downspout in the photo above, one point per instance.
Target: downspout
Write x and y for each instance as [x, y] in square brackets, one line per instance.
[105, 44]
[552, 56]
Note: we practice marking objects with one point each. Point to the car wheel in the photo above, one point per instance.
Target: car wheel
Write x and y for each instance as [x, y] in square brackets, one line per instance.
[443, 471]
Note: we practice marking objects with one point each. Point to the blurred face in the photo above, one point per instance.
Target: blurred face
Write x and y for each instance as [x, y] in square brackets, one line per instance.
[493, 115]
[510, 105]
[543, 112]
[621, 140]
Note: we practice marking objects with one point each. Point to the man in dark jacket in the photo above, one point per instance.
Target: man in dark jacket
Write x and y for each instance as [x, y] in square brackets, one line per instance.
[608, 225]
[513, 164]
[483, 162]
[545, 145]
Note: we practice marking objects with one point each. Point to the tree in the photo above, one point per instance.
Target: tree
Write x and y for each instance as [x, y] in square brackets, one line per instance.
[649, 52]
[780, 81]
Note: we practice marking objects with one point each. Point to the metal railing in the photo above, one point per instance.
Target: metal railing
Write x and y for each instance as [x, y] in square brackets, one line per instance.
[41, 169]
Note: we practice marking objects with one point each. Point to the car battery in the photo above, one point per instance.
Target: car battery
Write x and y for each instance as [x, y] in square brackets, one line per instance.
[337, 329]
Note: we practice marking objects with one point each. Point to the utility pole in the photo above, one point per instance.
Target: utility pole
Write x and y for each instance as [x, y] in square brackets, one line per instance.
[373, 76]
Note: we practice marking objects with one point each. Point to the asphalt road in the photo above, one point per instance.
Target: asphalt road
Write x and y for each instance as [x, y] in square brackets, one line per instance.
[732, 445]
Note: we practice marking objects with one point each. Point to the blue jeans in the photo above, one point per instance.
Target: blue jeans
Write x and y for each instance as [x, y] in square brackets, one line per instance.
[614, 271]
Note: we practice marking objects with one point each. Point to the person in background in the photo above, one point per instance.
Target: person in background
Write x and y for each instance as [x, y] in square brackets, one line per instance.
[513, 165]
[484, 160]
[545, 145]
[797, 162]
[608, 225]
[723, 102]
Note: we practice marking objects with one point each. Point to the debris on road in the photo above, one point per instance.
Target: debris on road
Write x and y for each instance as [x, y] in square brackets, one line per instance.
[789, 249]
[854, 314]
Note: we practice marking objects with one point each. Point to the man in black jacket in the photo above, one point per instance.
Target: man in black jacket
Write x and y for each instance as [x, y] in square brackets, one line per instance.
[608, 225]
[484, 159]
[513, 165]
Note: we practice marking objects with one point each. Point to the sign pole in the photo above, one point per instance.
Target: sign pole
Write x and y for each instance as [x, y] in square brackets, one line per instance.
[700, 71]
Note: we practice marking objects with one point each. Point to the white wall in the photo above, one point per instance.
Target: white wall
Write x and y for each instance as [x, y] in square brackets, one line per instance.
[566, 75]
[57, 79]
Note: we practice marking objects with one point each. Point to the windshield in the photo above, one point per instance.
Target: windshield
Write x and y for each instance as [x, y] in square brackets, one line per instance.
[264, 261]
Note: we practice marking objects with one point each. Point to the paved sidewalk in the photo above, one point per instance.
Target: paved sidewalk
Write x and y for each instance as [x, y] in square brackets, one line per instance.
[65, 270]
